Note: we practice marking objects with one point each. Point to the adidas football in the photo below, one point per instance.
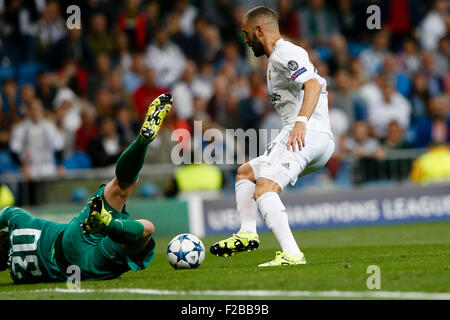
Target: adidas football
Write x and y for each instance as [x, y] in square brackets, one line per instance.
[186, 251]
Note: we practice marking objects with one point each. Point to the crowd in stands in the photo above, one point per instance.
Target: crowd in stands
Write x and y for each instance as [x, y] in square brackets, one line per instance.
[78, 96]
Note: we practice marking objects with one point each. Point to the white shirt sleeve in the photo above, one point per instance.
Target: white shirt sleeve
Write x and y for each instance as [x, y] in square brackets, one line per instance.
[16, 143]
[296, 65]
[56, 137]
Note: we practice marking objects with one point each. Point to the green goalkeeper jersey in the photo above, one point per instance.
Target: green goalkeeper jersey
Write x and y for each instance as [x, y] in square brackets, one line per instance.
[31, 256]
[42, 250]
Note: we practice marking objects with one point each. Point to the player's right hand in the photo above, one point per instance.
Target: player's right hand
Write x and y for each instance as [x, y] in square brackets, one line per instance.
[297, 137]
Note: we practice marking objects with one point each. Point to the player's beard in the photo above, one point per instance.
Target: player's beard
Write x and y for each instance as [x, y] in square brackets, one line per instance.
[258, 48]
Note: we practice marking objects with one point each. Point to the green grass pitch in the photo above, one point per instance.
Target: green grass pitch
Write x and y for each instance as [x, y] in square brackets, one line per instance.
[411, 257]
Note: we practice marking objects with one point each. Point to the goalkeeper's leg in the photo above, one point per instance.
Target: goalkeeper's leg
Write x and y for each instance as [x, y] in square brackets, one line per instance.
[130, 163]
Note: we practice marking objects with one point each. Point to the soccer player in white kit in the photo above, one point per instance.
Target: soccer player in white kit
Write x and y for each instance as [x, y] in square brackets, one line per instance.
[303, 146]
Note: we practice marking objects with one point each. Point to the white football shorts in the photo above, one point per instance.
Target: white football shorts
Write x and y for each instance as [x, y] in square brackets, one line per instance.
[284, 166]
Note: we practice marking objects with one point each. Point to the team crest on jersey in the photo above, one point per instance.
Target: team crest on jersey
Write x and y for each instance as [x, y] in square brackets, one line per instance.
[292, 65]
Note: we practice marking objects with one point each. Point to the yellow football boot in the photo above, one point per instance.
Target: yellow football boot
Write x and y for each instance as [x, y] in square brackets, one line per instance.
[236, 243]
[98, 218]
[156, 113]
[284, 259]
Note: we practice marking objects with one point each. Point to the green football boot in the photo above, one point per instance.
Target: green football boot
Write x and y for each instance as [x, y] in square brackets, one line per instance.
[236, 243]
[284, 259]
[156, 113]
[98, 218]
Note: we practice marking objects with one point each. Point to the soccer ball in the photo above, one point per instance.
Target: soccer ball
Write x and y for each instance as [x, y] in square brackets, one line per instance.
[186, 251]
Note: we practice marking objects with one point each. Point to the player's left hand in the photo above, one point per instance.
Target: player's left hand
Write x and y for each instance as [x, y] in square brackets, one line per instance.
[297, 137]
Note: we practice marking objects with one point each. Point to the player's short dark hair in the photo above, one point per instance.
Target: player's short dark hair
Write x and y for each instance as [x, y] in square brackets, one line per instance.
[262, 12]
[4, 250]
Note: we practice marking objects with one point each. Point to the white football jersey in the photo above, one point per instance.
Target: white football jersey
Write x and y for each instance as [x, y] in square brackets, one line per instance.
[288, 68]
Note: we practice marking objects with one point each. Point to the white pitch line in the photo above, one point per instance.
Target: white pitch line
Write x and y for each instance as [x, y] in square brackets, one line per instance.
[267, 293]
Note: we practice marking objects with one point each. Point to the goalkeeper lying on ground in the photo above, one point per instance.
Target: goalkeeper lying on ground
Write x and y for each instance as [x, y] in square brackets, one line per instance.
[101, 240]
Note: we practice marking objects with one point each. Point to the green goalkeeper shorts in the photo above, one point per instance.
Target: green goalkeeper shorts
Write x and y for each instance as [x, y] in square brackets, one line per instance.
[98, 256]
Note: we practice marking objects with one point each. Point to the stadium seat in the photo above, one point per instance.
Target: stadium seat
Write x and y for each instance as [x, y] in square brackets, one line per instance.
[355, 48]
[79, 160]
[7, 164]
[6, 72]
[324, 53]
[27, 72]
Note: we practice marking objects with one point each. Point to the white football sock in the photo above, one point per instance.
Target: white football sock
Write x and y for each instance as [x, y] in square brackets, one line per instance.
[274, 213]
[246, 205]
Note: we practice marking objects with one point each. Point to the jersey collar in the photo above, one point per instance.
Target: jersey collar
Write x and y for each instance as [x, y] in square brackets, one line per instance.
[277, 44]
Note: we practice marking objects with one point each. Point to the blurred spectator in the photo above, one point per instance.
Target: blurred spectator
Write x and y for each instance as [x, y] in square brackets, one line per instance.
[45, 89]
[119, 95]
[19, 29]
[361, 145]
[391, 106]
[127, 127]
[433, 26]
[220, 13]
[187, 89]
[395, 137]
[288, 19]
[165, 58]
[72, 47]
[340, 58]
[435, 126]
[88, 129]
[146, 93]
[99, 39]
[231, 63]
[7, 164]
[187, 13]
[28, 95]
[217, 103]
[367, 152]
[401, 80]
[400, 19]
[133, 23]
[66, 134]
[408, 59]
[73, 76]
[160, 150]
[372, 58]
[419, 97]
[394, 167]
[434, 82]
[358, 76]
[51, 25]
[345, 97]
[432, 166]
[441, 56]
[229, 117]
[70, 106]
[253, 107]
[10, 98]
[35, 144]
[107, 147]
[152, 14]
[348, 20]
[123, 57]
[318, 22]
[100, 77]
[104, 103]
[134, 77]
[340, 126]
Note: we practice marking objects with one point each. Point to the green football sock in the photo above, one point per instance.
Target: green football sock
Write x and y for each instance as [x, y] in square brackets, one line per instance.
[125, 231]
[131, 161]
